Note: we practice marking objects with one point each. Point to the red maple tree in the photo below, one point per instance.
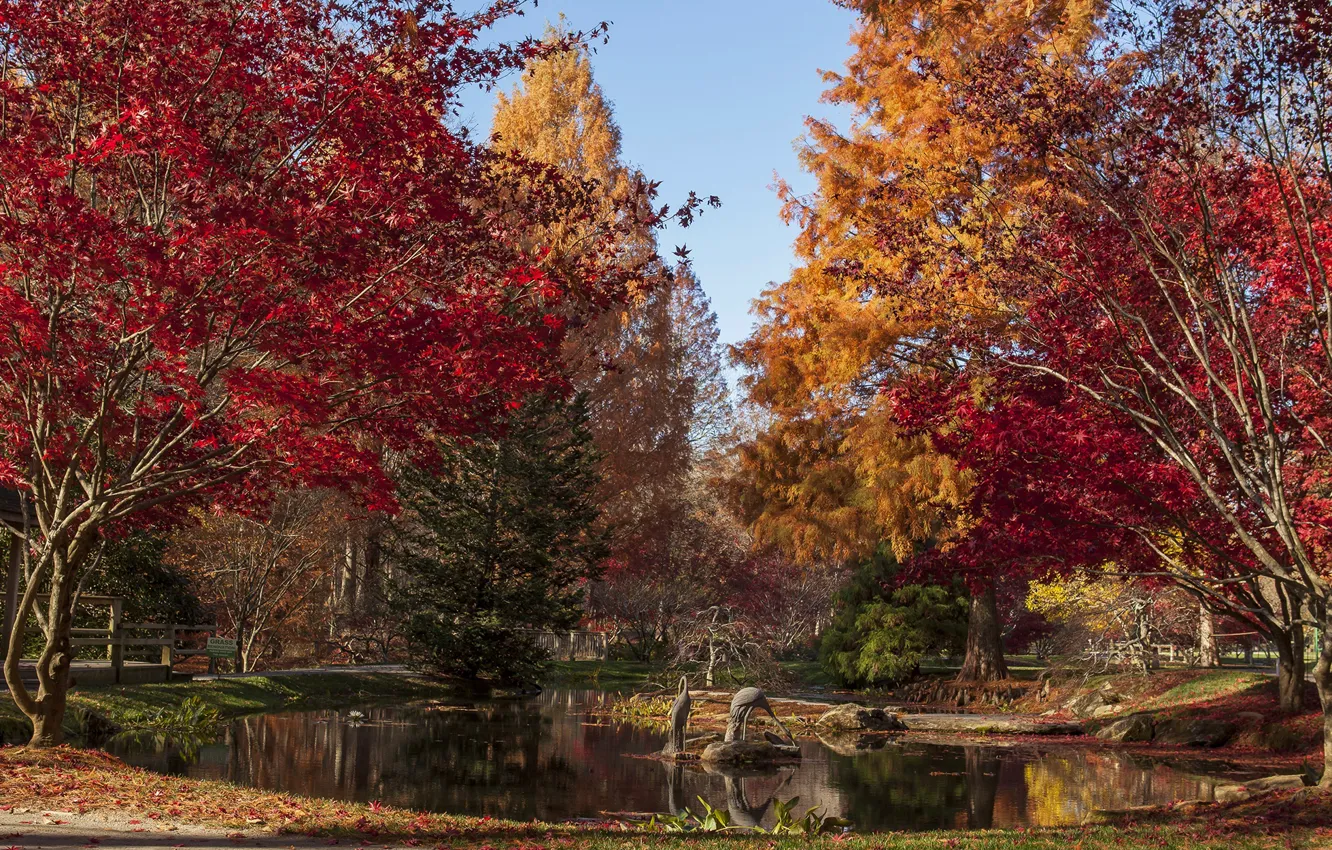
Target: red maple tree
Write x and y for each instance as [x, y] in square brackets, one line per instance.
[1147, 374]
[241, 248]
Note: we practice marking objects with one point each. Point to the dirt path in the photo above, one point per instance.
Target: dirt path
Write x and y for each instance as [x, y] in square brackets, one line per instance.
[55, 830]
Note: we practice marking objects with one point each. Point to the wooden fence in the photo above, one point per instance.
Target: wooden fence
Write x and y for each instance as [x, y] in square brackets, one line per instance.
[146, 643]
[573, 646]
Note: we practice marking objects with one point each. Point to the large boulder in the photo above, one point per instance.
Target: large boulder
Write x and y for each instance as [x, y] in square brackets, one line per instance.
[989, 724]
[851, 717]
[1255, 787]
[742, 752]
[1130, 730]
[1194, 732]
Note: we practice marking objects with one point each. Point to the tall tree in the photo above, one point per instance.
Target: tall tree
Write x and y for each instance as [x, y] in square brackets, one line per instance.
[834, 474]
[499, 538]
[238, 248]
[651, 371]
[1165, 299]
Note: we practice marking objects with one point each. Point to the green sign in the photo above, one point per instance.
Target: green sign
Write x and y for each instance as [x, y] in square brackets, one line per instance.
[221, 647]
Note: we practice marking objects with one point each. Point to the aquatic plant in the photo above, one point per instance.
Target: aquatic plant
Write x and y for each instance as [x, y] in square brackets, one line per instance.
[712, 820]
[188, 726]
[652, 707]
[811, 823]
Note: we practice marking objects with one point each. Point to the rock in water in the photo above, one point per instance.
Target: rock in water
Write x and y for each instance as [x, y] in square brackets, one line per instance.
[1130, 730]
[854, 718]
[1198, 732]
[1256, 787]
[741, 752]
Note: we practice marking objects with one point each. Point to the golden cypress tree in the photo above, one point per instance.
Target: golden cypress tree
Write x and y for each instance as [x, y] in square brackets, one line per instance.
[650, 370]
[903, 193]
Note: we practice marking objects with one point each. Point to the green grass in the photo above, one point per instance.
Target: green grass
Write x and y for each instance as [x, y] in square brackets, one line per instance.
[241, 696]
[628, 675]
[607, 675]
[809, 674]
[1208, 686]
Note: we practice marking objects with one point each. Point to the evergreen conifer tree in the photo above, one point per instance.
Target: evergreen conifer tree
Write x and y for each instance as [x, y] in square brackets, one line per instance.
[497, 540]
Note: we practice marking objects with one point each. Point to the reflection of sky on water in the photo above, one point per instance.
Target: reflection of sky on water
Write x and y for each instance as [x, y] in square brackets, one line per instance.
[550, 759]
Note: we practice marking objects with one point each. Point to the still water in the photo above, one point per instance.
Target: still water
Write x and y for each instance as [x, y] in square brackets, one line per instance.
[551, 759]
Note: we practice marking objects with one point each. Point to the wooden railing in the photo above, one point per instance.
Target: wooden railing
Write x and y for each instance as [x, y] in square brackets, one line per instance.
[573, 646]
[162, 647]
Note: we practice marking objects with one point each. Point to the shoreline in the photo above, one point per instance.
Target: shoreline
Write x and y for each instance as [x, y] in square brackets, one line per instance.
[83, 787]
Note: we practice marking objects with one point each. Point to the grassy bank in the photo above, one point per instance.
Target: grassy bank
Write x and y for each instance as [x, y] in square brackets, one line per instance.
[1244, 698]
[240, 696]
[84, 781]
[604, 675]
[630, 675]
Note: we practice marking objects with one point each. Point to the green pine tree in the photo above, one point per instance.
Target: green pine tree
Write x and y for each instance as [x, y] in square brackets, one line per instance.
[498, 539]
[882, 631]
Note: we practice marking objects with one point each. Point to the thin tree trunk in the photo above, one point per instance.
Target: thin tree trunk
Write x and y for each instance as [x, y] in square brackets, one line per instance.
[47, 710]
[1208, 655]
[984, 661]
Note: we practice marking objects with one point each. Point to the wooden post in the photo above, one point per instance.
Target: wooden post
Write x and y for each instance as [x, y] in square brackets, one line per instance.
[169, 649]
[116, 649]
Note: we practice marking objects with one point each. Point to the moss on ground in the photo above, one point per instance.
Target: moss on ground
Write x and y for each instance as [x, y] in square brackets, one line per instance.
[1204, 687]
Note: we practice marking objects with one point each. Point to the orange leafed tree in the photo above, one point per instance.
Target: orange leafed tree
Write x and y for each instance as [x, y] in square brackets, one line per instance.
[650, 369]
[831, 474]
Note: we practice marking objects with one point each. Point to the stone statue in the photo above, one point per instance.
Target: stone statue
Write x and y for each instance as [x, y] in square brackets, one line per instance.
[742, 705]
[675, 744]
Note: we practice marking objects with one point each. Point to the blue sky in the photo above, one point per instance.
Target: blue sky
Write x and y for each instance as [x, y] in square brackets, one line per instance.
[711, 96]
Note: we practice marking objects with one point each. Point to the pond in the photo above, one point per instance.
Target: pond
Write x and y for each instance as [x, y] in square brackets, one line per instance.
[551, 758]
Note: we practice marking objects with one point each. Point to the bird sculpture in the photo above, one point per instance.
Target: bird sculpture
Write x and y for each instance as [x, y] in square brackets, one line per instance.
[742, 705]
[675, 745]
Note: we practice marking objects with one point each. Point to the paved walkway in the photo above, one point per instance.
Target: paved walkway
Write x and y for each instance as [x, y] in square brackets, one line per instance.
[32, 830]
[390, 669]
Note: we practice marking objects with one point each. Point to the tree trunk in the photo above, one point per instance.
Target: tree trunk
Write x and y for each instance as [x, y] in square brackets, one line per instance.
[48, 726]
[1290, 670]
[46, 710]
[1323, 679]
[1208, 655]
[984, 661]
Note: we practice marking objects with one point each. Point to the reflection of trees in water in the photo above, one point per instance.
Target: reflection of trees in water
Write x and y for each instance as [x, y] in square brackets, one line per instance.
[982, 786]
[550, 760]
[902, 787]
[501, 758]
[1065, 788]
